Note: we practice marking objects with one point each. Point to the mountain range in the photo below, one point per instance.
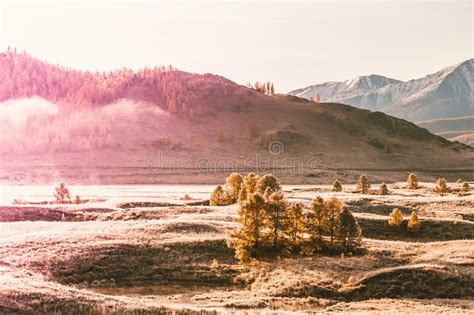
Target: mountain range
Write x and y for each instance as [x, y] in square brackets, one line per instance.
[161, 125]
[446, 94]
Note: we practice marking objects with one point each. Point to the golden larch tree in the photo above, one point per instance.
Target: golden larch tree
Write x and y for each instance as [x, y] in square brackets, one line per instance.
[396, 218]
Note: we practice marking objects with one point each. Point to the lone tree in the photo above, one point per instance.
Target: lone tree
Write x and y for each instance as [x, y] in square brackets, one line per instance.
[363, 184]
[396, 218]
[295, 227]
[248, 186]
[349, 232]
[61, 193]
[441, 186]
[412, 181]
[414, 223]
[464, 188]
[336, 186]
[247, 239]
[383, 190]
[334, 208]
[317, 221]
[267, 181]
[275, 218]
[233, 183]
[219, 197]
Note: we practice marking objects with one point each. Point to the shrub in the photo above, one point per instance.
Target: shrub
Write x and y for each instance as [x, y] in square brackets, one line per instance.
[383, 190]
[349, 233]
[441, 186]
[412, 181]
[336, 186]
[396, 218]
[61, 193]
[77, 200]
[219, 197]
[267, 181]
[363, 184]
[414, 223]
[233, 183]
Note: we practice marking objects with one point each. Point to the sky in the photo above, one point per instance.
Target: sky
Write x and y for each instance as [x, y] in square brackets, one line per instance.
[293, 44]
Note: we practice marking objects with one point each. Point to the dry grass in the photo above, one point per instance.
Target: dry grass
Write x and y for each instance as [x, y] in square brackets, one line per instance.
[52, 266]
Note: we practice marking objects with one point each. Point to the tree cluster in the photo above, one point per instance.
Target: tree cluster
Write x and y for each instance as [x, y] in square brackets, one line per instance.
[269, 225]
[396, 219]
[265, 88]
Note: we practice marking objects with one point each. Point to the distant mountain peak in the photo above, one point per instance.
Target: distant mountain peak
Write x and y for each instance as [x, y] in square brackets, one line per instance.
[447, 93]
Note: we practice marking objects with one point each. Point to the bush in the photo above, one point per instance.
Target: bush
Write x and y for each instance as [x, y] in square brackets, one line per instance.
[412, 181]
[77, 200]
[383, 190]
[441, 186]
[414, 223]
[396, 218]
[336, 186]
[363, 184]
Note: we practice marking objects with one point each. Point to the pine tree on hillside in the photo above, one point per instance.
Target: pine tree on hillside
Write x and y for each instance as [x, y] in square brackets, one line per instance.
[363, 184]
[248, 186]
[334, 208]
[267, 180]
[349, 232]
[464, 188]
[61, 193]
[247, 239]
[336, 186]
[383, 190]
[295, 226]
[219, 197]
[317, 220]
[396, 218]
[275, 219]
[233, 184]
[414, 223]
[441, 186]
[412, 181]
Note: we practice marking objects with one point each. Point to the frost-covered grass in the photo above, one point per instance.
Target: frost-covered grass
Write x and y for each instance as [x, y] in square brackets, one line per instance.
[50, 263]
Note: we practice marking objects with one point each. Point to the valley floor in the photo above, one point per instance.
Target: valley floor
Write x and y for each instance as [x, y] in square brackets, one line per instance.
[151, 250]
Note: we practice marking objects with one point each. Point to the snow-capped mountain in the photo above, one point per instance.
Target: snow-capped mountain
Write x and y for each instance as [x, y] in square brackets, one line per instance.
[448, 93]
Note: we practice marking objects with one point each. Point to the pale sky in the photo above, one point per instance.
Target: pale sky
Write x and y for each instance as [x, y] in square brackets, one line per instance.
[293, 44]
